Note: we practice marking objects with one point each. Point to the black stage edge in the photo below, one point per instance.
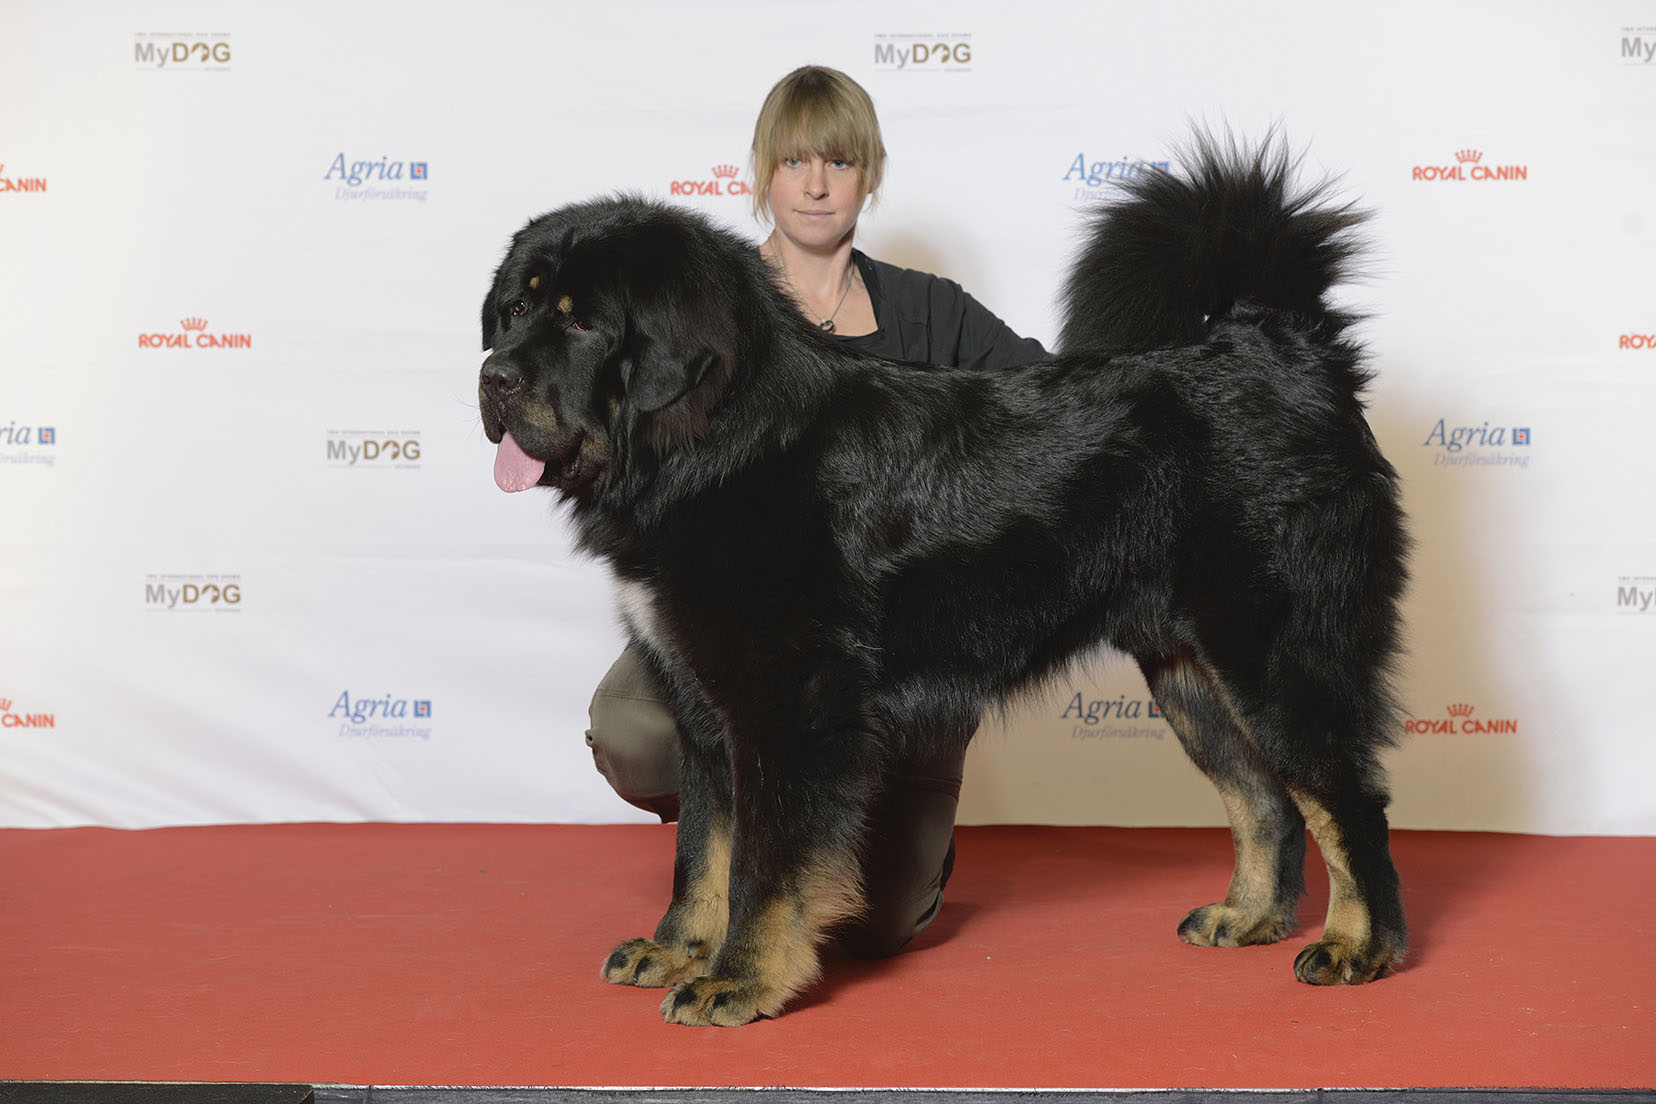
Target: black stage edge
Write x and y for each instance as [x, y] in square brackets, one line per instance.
[150, 1092]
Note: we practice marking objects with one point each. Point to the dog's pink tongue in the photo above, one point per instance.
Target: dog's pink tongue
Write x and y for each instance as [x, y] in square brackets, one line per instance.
[516, 470]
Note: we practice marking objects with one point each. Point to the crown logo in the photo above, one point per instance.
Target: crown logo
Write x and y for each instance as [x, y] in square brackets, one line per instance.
[5, 703]
[1460, 709]
[1466, 155]
[724, 171]
[194, 323]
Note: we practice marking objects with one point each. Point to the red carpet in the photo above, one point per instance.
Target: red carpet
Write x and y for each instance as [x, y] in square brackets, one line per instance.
[469, 955]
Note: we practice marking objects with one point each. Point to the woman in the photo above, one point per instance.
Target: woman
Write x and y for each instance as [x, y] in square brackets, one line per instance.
[818, 159]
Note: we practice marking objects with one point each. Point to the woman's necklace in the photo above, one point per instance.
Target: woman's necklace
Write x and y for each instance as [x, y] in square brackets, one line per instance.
[826, 325]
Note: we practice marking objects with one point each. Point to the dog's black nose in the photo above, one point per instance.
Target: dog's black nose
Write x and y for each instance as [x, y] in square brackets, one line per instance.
[501, 378]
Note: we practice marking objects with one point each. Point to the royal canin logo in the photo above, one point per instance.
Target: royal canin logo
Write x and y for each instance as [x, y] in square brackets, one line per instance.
[192, 333]
[1469, 165]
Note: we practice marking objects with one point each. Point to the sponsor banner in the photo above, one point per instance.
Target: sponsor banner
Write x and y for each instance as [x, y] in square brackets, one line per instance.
[373, 449]
[1117, 718]
[907, 52]
[193, 593]
[386, 717]
[193, 333]
[384, 180]
[28, 444]
[172, 52]
[1483, 445]
[16, 716]
[1460, 718]
[1468, 164]
[721, 180]
[1094, 180]
[15, 181]
[1638, 46]
[1636, 594]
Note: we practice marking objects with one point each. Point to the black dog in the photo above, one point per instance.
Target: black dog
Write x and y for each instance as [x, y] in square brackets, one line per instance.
[831, 558]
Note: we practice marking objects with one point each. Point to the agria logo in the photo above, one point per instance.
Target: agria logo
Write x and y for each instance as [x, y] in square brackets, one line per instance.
[1481, 445]
[374, 181]
[1112, 718]
[28, 444]
[1095, 180]
[385, 717]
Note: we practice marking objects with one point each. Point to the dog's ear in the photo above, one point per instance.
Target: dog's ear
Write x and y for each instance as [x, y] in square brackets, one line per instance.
[659, 373]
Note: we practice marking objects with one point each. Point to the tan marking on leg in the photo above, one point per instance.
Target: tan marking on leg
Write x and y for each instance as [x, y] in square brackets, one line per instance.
[691, 932]
[776, 955]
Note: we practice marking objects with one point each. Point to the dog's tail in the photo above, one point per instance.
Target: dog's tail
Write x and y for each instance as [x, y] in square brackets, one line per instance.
[1177, 250]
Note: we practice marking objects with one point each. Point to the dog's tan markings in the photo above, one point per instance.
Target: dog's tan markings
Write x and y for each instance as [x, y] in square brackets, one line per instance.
[774, 955]
[1251, 912]
[534, 283]
[691, 932]
[1348, 952]
[566, 305]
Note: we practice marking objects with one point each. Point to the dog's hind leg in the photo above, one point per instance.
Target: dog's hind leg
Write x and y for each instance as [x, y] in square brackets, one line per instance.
[1266, 828]
[693, 928]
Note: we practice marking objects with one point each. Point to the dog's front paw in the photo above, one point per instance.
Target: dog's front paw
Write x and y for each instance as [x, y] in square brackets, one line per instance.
[722, 1002]
[1228, 926]
[648, 964]
[1342, 961]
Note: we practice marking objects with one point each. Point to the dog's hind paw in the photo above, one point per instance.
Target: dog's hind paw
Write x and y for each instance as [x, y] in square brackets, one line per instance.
[716, 1001]
[1228, 926]
[649, 965]
[1344, 962]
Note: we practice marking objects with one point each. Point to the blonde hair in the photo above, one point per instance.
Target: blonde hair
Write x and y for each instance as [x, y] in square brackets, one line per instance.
[817, 111]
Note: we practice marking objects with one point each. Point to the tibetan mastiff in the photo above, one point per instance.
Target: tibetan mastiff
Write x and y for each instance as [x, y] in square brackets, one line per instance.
[832, 559]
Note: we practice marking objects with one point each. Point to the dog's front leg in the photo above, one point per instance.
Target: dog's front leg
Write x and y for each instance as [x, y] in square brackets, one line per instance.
[694, 925]
[793, 874]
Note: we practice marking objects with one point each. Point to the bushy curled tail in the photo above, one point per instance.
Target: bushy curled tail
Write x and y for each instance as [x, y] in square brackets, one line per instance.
[1179, 248]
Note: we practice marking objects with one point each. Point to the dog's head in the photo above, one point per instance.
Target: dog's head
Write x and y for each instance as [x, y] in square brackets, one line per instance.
[610, 336]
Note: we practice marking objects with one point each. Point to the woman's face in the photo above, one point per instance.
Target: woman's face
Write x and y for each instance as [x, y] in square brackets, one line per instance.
[815, 201]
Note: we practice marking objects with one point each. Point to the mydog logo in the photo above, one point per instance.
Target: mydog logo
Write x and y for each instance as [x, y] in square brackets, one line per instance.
[20, 183]
[922, 53]
[1636, 594]
[1638, 45]
[723, 181]
[1102, 718]
[8, 719]
[373, 181]
[1460, 721]
[366, 449]
[28, 444]
[1481, 445]
[192, 333]
[181, 52]
[1093, 179]
[193, 593]
[364, 717]
[1636, 341]
[1468, 165]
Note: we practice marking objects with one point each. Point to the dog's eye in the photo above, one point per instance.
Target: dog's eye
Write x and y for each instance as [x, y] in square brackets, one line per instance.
[520, 308]
[576, 324]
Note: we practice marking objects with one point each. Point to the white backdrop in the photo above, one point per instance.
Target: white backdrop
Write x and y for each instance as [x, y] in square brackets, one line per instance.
[254, 566]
